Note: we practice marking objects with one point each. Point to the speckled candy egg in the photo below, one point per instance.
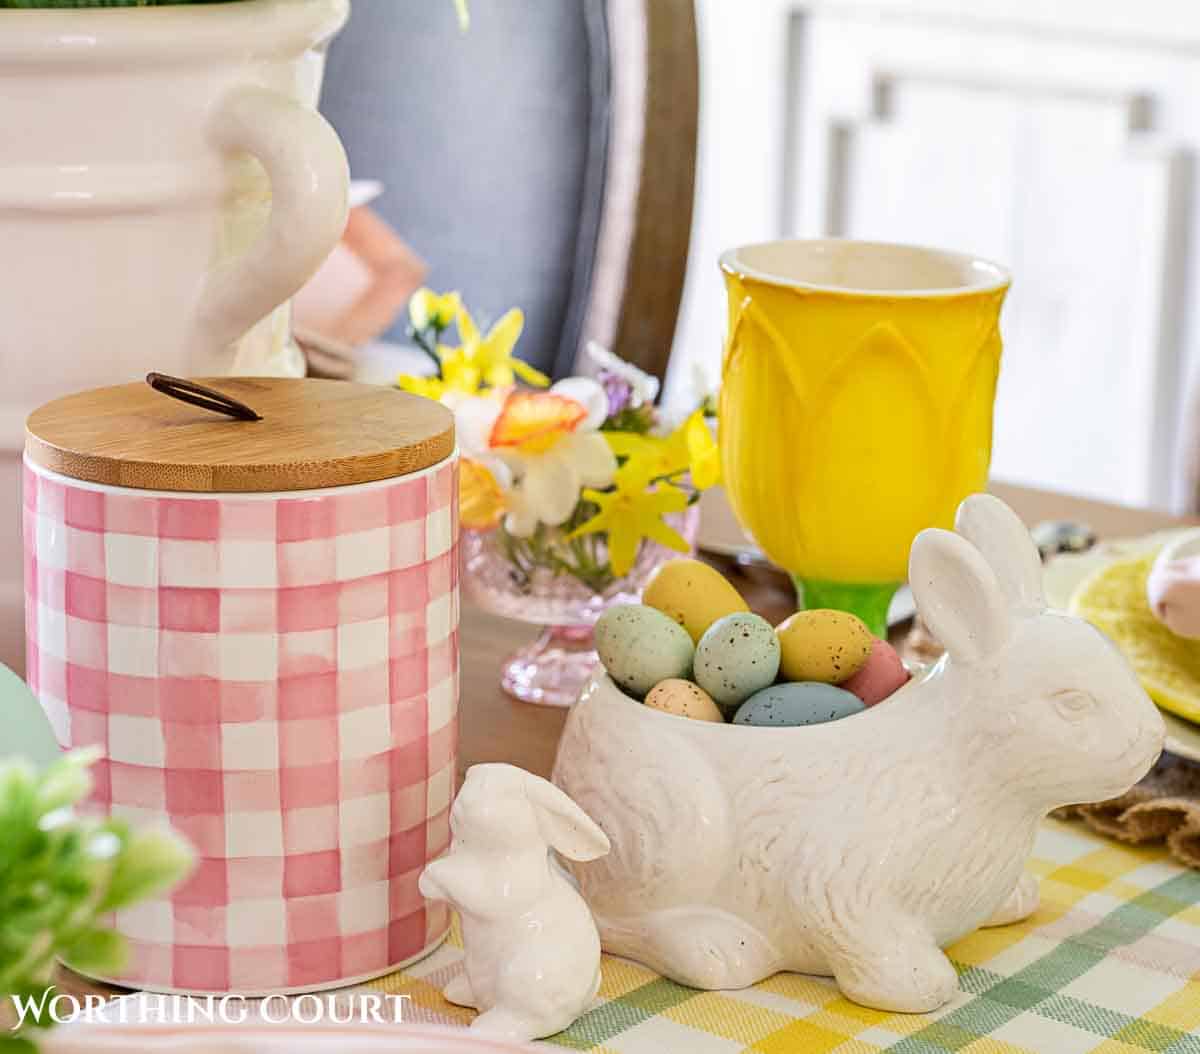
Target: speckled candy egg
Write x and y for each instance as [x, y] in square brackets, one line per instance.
[823, 645]
[693, 594]
[880, 677]
[639, 646]
[738, 655]
[807, 703]
[684, 699]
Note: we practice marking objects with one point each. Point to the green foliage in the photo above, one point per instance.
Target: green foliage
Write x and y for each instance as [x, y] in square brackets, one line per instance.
[639, 419]
[61, 872]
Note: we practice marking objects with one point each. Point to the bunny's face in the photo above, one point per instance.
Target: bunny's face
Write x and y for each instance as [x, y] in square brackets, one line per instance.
[1054, 699]
[1073, 719]
[491, 811]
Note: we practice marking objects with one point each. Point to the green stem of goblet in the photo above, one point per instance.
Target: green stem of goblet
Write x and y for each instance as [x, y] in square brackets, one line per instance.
[868, 600]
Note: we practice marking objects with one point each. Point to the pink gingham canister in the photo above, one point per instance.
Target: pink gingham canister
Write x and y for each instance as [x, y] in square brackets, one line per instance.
[256, 621]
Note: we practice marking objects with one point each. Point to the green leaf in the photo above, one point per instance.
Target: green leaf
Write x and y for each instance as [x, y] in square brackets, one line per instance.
[61, 871]
[96, 951]
[152, 861]
[66, 782]
[10, 1044]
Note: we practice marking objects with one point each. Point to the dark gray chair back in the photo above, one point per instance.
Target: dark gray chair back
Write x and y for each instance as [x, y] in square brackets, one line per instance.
[510, 163]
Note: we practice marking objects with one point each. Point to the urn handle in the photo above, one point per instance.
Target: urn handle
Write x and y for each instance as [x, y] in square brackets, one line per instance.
[309, 178]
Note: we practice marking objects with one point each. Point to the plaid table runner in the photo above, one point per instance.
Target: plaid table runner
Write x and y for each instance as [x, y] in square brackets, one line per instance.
[1109, 964]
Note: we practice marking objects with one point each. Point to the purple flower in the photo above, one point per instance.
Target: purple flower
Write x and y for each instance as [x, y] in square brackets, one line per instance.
[618, 390]
[644, 386]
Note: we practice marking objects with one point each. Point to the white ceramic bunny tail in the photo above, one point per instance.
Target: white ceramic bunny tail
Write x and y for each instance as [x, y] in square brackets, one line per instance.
[862, 847]
[532, 953]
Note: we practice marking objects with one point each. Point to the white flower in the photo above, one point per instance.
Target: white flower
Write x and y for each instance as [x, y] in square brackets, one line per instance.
[590, 395]
[644, 385]
[550, 483]
[474, 418]
[550, 445]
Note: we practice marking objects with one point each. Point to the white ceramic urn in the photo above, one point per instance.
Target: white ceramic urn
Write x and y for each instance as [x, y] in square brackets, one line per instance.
[165, 185]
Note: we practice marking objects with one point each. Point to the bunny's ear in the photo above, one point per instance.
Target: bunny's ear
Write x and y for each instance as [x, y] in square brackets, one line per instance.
[997, 532]
[957, 595]
[565, 825]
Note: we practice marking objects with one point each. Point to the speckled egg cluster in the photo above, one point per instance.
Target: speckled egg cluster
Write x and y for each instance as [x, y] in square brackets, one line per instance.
[694, 649]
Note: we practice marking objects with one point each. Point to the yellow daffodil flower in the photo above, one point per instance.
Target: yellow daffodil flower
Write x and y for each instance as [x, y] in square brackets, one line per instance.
[552, 448]
[459, 377]
[533, 422]
[631, 513]
[648, 457]
[704, 456]
[429, 387]
[481, 503]
[459, 372]
[690, 447]
[492, 355]
[479, 361]
[427, 308]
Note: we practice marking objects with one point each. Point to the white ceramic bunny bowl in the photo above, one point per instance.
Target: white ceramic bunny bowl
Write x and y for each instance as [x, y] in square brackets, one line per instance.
[860, 848]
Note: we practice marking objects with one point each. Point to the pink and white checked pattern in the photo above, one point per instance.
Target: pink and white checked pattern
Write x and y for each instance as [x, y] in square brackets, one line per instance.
[277, 677]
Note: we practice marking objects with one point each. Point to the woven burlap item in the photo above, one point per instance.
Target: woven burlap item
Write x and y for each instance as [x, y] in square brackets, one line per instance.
[1165, 806]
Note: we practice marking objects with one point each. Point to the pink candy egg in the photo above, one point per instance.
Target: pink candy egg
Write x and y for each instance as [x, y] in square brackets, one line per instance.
[882, 675]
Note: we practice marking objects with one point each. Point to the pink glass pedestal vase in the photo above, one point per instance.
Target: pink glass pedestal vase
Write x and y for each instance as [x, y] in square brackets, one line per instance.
[553, 668]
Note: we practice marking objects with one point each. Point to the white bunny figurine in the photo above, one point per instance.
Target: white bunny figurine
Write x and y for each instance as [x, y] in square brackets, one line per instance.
[862, 847]
[532, 950]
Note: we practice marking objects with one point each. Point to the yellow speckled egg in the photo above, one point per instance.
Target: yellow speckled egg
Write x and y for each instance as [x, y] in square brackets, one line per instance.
[823, 645]
[693, 594]
[685, 699]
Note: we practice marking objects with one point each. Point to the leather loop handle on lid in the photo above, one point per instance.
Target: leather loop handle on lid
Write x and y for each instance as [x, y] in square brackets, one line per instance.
[199, 395]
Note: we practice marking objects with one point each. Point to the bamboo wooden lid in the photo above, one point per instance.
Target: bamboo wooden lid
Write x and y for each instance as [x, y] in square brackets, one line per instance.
[313, 434]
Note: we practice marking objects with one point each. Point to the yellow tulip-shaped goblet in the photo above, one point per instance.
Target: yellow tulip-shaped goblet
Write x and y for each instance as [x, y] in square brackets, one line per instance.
[856, 406]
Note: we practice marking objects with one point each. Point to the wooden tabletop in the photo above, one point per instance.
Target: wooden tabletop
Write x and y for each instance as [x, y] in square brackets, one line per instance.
[494, 727]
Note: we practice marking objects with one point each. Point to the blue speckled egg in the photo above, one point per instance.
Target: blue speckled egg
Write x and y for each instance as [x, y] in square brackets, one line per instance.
[798, 703]
[640, 646]
[738, 655]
